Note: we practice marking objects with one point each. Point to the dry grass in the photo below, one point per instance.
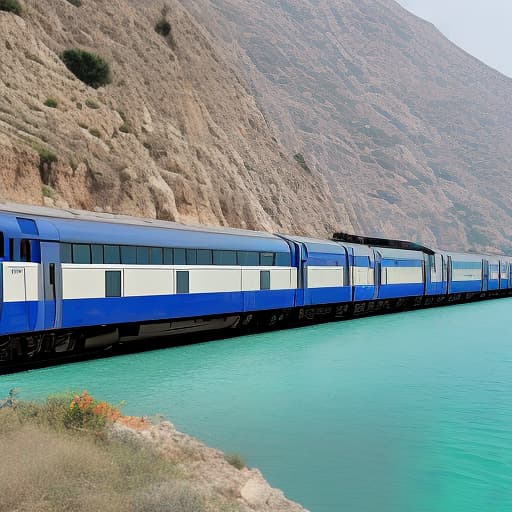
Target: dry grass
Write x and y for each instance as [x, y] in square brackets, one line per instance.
[48, 467]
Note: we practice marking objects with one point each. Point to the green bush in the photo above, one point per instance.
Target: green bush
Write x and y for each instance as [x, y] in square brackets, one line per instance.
[87, 67]
[46, 157]
[48, 191]
[10, 6]
[52, 103]
[95, 132]
[163, 27]
[125, 127]
[92, 104]
[236, 460]
[76, 3]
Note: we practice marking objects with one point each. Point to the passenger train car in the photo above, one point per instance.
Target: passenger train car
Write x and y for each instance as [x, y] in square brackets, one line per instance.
[73, 280]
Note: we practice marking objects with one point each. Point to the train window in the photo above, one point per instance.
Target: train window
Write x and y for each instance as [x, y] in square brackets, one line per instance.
[266, 259]
[224, 257]
[265, 280]
[179, 257]
[248, 259]
[82, 254]
[142, 255]
[167, 256]
[156, 256]
[182, 281]
[25, 250]
[204, 257]
[113, 283]
[27, 226]
[97, 254]
[191, 257]
[65, 253]
[128, 255]
[283, 259]
[111, 254]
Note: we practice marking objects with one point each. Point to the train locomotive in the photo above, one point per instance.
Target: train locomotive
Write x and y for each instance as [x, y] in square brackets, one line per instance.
[73, 281]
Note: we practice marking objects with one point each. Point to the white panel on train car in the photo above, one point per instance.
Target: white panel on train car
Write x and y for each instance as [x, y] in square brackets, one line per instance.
[325, 277]
[467, 274]
[32, 281]
[280, 278]
[82, 282]
[215, 279]
[293, 277]
[362, 276]
[250, 279]
[148, 281]
[14, 282]
[402, 275]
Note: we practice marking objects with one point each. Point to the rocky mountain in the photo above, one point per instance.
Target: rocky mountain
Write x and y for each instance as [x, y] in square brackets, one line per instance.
[176, 135]
[285, 115]
[412, 133]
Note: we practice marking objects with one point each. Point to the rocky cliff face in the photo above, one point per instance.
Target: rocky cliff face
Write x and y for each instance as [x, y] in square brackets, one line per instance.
[412, 133]
[403, 133]
[175, 136]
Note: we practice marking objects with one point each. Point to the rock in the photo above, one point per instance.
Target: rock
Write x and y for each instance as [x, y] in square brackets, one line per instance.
[256, 492]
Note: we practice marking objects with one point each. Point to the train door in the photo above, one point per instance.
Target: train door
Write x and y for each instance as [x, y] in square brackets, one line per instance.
[377, 261]
[485, 275]
[444, 260]
[52, 286]
[26, 254]
[449, 274]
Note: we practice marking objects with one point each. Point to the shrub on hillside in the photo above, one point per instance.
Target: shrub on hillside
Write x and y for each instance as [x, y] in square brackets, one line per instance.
[87, 67]
[76, 3]
[235, 459]
[10, 6]
[163, 27]
[51, 102]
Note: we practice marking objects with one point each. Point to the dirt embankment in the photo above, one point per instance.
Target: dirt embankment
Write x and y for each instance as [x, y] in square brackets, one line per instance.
[76, 453]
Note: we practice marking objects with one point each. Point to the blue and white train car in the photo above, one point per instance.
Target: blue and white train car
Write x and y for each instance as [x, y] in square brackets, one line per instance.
[324, 272]
[71, 280]
[67, 270]
[362, 271]
[465, 272]
[400, 273]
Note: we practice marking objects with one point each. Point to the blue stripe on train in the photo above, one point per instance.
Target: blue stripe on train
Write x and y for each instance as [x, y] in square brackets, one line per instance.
[364, 292]
[465, 286]
[494, 284]
[329, 295]
[84, 312]
[18, 317]
[394, 291]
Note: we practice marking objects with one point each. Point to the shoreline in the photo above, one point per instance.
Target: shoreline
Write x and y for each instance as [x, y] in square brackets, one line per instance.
[209, 468]
[72, 444]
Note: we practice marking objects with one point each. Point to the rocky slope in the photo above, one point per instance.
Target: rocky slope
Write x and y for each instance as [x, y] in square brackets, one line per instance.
[208, 470]
[175, 136]
[412, 133]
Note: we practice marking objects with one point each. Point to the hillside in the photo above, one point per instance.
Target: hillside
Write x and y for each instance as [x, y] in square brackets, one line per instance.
[412, 133]
[175, 136]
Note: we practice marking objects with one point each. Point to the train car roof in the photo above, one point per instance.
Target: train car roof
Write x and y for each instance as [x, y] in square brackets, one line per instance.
[98, 227]
[316, 244]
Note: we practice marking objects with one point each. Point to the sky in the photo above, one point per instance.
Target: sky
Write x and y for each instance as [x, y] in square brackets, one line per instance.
[481, 27]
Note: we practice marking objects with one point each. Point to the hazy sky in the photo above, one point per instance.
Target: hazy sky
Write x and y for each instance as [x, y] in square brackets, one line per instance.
[482, 27]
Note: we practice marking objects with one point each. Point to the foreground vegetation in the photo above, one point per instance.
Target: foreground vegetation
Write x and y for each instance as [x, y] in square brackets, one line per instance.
[59, 456]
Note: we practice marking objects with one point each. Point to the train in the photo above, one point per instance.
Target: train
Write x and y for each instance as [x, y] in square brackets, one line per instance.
[74, 281]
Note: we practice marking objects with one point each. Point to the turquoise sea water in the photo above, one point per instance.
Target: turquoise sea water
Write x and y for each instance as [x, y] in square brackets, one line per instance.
[408, 412]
